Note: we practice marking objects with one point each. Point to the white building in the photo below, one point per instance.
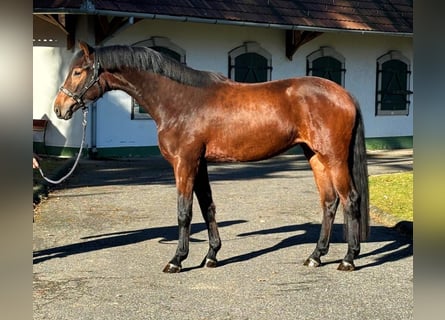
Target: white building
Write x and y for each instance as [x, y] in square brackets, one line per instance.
[368, 50]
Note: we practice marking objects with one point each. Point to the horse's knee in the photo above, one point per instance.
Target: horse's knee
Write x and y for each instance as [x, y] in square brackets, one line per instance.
[331, 207]
[184, 218]
[184, 210]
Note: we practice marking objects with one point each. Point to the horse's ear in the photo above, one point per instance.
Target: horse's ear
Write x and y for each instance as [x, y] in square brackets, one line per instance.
[85, 47]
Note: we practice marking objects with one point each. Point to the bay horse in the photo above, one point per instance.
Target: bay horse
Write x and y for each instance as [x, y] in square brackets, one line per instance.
[205, 117]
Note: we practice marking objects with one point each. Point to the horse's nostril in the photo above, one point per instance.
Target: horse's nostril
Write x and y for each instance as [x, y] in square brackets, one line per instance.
[57, 111]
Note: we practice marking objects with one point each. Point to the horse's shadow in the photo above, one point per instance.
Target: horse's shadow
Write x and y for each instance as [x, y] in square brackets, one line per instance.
[399, 245]
[395, 246]
[118, 239]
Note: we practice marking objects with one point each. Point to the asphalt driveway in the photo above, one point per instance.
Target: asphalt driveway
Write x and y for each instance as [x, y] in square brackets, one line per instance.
[102, 238]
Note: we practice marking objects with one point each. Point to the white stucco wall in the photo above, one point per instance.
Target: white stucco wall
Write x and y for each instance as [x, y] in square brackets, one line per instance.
[49, 69]
[50, 65]
[206, 48]
[115, 127]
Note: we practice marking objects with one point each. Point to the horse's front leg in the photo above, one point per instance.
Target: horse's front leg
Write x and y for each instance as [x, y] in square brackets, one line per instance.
[184, 222]
[184, 175]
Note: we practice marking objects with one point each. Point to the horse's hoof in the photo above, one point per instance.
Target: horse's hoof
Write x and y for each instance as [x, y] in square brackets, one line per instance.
[346, 266]
[171, 268]
[210, 263]
[312, 262]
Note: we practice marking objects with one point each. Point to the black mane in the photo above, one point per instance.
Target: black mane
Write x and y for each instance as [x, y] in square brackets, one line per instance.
[146, 59]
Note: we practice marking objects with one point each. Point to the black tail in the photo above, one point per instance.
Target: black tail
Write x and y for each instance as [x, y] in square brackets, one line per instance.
[359, 168]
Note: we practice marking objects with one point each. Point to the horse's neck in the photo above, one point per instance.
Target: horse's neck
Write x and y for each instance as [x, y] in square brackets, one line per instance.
[121, 81]
[150, 90]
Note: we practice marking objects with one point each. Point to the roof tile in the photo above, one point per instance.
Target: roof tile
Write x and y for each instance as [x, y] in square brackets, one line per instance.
[365, 15]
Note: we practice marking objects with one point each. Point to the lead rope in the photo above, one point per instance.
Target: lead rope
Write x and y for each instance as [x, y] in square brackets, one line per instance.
[84, 124]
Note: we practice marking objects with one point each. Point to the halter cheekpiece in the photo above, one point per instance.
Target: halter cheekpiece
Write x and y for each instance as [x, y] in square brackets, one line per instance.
[78, 97]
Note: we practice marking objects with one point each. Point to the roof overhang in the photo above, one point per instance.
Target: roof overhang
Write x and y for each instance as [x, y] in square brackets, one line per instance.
[93, 11]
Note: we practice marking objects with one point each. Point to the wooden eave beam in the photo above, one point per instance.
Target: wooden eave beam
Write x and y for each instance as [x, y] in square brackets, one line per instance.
[64, 22]
[296, 38]
[54, 20]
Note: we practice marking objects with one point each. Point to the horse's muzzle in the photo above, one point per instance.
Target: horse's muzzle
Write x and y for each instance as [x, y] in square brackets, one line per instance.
[68, 114]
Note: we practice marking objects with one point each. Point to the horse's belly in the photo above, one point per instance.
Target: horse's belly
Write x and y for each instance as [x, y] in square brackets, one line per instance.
[251, 147]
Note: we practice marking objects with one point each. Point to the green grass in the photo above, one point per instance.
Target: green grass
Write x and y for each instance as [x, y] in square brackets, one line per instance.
[393, 194]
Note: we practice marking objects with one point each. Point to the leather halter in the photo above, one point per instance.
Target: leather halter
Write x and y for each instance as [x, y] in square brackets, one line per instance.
[78, 97]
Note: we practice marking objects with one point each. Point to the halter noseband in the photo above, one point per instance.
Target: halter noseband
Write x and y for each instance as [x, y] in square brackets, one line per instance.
[78, 97]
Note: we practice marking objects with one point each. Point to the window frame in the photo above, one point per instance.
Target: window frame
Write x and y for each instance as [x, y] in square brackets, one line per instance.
[390, 56]
[249, 47]
[136, 113]
[326, 51]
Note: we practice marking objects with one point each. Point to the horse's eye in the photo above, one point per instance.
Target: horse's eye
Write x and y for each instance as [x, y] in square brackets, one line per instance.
[77, 72]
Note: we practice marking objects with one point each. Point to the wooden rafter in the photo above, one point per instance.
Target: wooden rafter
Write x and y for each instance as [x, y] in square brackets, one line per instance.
[65, 23]
[104, 26]
[296, 38]
[54, 20]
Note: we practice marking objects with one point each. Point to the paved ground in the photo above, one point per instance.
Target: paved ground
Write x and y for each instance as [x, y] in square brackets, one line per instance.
[102, 239]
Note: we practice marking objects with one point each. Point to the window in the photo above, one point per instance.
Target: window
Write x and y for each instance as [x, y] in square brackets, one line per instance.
[326, 63]
[166, 47]
[393, 83]
[250, 63]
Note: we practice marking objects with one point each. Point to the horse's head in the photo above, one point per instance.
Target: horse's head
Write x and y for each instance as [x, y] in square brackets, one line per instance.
[81, 85]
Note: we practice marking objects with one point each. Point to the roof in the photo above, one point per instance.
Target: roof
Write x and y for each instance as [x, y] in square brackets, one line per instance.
[381, 16]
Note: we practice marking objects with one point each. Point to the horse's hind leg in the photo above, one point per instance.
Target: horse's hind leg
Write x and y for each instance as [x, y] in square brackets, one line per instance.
[350, 202]
[329, 202]
[204, 194]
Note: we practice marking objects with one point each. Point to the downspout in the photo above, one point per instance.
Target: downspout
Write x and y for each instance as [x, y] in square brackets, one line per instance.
[93, 107]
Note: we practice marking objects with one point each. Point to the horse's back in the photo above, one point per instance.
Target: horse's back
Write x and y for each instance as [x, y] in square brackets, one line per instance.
[257, 121]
